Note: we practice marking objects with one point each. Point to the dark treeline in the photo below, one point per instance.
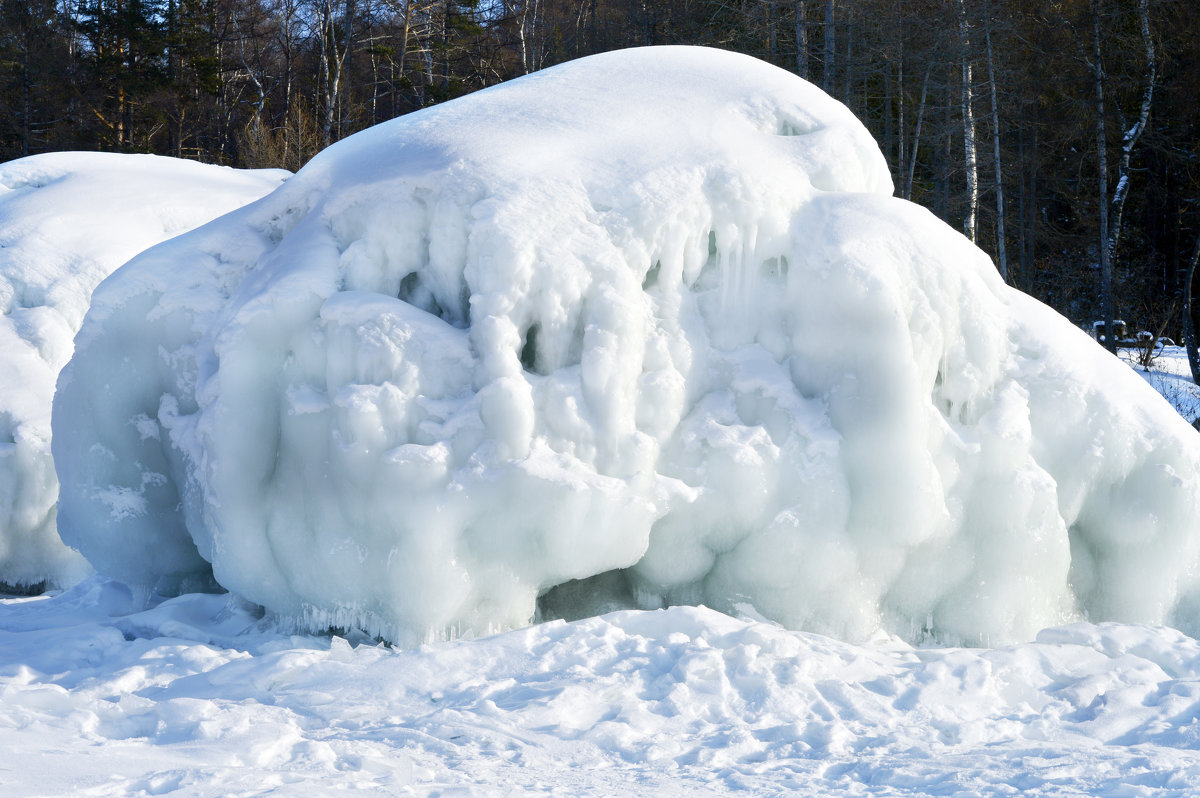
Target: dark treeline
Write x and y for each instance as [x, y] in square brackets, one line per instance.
[1062, 135]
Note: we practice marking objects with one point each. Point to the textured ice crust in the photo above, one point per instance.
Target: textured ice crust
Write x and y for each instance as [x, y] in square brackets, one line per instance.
[67, 220]
[649, 319]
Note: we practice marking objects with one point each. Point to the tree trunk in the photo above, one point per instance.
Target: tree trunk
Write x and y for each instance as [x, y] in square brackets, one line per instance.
[1134, 133]
[801, 41]
[912, 155]
[849, 57]
[344, 66]
[968, 117]
[286, 44]
[901, 151]
[26, 88]
[404, 38]
[944, 152]
[331, 72]
[772, 36]
[525, 36]
[1031, 231]
[1106, 288]
[1022, 208]
[447, 13]
[1189, 318]
[327, 127]
[827, 75]
[889, 141]
[1001, 249]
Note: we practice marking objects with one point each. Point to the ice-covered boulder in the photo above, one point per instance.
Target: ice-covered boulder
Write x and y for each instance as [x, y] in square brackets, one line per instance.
[67, 220]
[650, 320]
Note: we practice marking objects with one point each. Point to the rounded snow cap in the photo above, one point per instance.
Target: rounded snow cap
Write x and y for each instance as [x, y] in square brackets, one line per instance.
[643, 328]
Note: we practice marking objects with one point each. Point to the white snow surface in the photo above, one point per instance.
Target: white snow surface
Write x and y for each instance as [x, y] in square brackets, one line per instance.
[201, 697]
[649, 319]
[1171, 376]
[67, 220]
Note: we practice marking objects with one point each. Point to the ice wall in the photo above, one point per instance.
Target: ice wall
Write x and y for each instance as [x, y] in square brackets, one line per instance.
[646, 327]
[67, 220]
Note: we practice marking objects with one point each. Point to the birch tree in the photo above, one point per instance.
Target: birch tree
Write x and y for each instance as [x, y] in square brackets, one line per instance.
[1131, 136]
[332, 61]
[968, 120]
[1001, 250]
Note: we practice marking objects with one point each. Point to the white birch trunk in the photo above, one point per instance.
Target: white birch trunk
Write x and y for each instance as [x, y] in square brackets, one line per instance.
[968, 117]
[1131, 136]
[1001, 246]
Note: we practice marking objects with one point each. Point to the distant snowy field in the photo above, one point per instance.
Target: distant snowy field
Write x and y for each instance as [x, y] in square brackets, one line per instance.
[1170, 375]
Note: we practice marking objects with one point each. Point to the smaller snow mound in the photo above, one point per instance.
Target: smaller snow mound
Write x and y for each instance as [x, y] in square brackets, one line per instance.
[67, 220]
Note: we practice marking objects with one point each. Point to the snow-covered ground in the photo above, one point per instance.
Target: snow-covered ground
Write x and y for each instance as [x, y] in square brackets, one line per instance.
[1170, 375]
[199, 697]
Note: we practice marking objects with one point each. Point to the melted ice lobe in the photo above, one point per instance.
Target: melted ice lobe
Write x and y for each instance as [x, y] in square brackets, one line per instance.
[646, 328]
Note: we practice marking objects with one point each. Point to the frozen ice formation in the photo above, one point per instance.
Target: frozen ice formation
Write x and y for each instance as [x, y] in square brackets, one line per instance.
[67, 220]
[646, 328]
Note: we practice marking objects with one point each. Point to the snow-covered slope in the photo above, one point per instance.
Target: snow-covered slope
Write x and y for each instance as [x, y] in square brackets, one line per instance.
[649, 319]
[67, 220]
[198, 697]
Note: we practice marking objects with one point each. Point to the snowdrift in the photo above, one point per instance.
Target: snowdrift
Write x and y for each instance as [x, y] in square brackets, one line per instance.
[203, 696]
[650, 320]
[67, 220]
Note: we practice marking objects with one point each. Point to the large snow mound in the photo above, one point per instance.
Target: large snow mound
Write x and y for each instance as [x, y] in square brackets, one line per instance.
[649, 319]
[67, 220]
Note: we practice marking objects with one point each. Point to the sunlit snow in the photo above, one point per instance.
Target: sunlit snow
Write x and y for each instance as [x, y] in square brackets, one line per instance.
[67, 220]
[650, 319]
[201, 697]
[1170, 375]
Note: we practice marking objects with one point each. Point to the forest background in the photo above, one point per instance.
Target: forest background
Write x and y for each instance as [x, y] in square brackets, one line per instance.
[1063, 136]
